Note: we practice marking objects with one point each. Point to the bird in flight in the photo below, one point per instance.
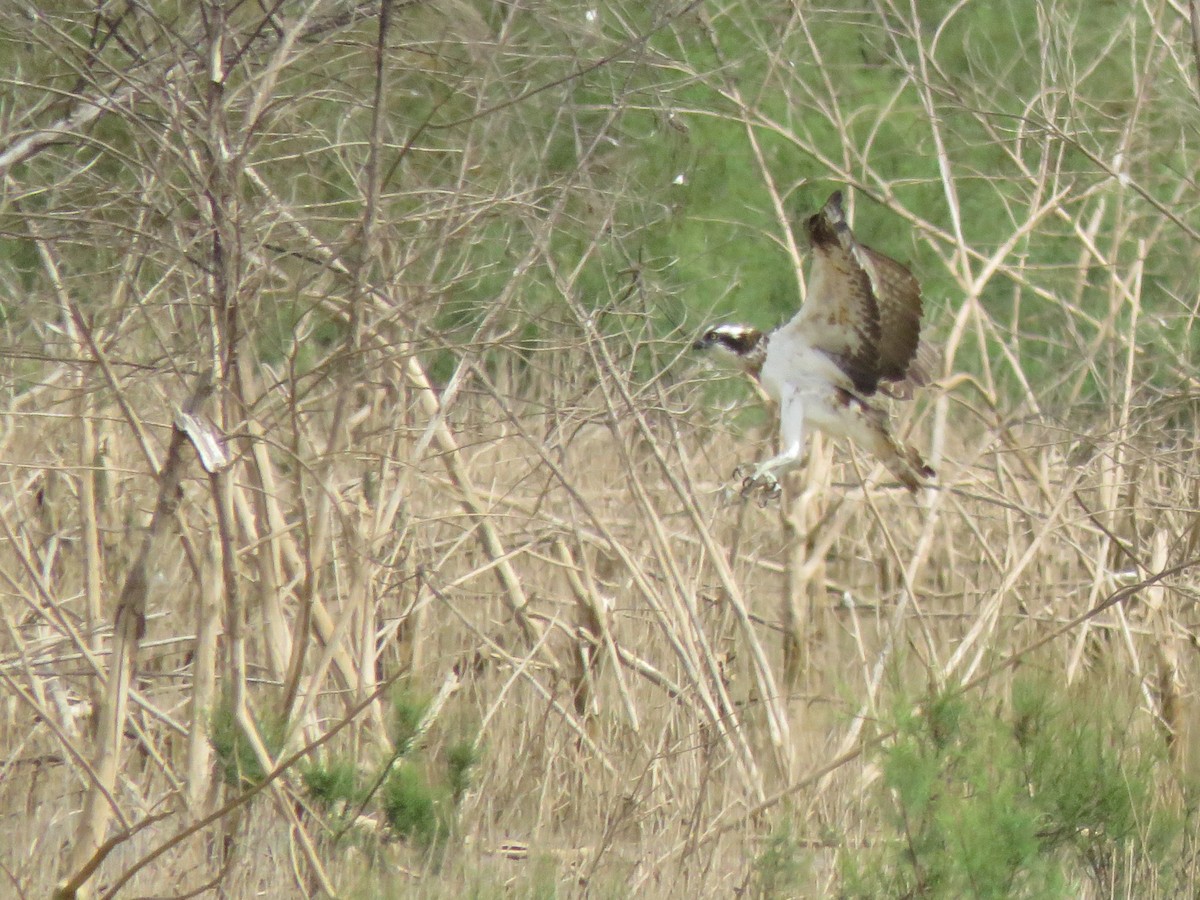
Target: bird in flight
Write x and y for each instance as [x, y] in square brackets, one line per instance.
[857, 335]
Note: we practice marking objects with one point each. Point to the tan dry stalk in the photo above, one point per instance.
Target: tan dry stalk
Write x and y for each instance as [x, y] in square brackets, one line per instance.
[128, 629]
[204, 675]
[804, 576]
[451, 458]
[414, 374]
[89, 465]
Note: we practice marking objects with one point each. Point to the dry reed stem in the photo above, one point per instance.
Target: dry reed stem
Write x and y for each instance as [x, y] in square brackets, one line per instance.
[571, 512]
[129, 627]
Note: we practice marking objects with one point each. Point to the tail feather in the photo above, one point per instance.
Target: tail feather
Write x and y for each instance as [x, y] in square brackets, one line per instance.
[903, 461]
[906, 464]
[868, 426]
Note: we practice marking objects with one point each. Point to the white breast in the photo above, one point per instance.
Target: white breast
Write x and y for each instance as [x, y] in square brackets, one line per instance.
[791, 360]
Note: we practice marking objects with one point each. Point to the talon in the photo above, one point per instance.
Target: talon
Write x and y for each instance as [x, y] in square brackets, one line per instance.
[769, 490]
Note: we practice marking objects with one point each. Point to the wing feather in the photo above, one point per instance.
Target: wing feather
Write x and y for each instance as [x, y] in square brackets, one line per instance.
[863, 309]
[898, 296]
[840, 316]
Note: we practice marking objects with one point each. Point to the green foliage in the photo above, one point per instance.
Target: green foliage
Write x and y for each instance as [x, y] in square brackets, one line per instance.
[782, 869]
[415, 807]
[239, 765]
[418, 791]
[333, 783]
[409, 706]
[1028, 801]
[461, 758]
[420, 794]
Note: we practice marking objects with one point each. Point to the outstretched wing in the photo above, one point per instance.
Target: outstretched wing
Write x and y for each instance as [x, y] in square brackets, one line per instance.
[863, 308]
[898, 297]
[840, 316]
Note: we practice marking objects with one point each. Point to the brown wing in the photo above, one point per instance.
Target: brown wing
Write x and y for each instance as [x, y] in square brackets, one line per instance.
[863, 308]
[920, 372]
[899, 299]
[840, 316]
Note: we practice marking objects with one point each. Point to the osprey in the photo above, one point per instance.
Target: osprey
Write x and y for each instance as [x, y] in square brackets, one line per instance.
[856, 336]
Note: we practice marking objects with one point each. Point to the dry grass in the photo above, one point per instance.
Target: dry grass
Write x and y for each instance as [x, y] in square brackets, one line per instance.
[534, 529]
[663, 760]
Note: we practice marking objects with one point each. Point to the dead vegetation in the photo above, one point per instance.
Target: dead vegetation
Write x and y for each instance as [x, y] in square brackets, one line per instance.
[496, 474]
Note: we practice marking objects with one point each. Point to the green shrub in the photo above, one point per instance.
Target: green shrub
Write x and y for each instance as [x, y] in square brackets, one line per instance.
[782, 869]
[332, 783]
[409, 707]
[1034, 800]
[461, 758]
[417, 791]
[415, 808]
[239, 765]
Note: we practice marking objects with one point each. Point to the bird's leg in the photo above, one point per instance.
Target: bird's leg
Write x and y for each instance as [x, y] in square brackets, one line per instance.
[764, 479]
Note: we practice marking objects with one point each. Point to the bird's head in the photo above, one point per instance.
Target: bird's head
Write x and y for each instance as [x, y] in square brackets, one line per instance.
[743, 344]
